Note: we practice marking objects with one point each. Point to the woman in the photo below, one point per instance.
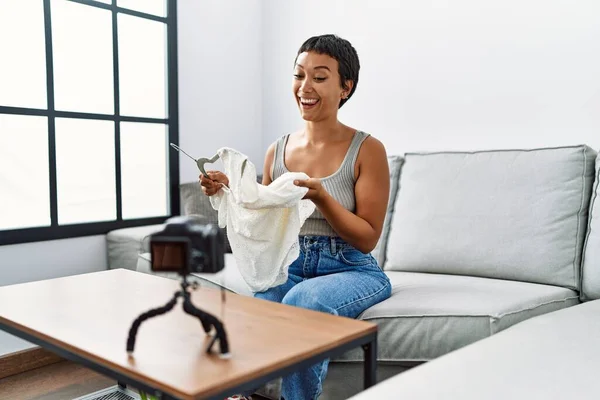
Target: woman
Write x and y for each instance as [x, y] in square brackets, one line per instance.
[349, 184]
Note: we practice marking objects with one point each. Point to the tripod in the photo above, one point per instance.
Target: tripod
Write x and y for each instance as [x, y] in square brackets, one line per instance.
[207, 320]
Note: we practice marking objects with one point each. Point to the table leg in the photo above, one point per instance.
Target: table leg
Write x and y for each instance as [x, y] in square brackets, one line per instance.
[370, 365]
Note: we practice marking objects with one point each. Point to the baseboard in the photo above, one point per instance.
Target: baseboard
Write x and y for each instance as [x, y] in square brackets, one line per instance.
[26, 360]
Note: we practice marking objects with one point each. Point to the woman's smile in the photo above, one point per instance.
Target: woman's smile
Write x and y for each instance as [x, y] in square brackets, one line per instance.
[308, 103]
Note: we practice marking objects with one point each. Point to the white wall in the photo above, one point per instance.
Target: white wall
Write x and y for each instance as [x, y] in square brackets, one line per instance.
[29, 262]
[220, 90]
[460, 74]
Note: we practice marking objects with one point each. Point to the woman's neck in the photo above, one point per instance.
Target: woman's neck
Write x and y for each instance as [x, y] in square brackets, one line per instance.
[324, 131]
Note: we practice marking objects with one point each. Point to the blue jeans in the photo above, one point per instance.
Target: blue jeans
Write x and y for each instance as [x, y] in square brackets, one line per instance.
[330, 276]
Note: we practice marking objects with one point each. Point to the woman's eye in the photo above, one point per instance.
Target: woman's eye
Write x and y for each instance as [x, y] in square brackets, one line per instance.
[298, 76]
[319, 79]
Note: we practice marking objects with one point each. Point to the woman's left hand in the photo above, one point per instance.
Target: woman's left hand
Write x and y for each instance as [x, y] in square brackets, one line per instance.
[316, 192]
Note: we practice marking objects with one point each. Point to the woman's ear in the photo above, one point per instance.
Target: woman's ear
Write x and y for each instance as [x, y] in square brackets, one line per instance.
[347, 89]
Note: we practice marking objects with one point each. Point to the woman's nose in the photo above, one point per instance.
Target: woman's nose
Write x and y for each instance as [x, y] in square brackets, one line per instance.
[306, 86]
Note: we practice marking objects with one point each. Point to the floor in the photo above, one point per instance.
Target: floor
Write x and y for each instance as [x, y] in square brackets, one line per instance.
[61, 381]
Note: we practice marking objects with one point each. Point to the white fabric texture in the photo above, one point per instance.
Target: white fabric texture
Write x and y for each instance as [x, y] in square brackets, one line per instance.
[263, 222]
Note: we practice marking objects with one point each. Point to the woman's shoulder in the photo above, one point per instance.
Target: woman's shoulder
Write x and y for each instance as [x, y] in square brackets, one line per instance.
[371, 146]
[283, 138]
[366, 138]
[272, 149]
[276, 142]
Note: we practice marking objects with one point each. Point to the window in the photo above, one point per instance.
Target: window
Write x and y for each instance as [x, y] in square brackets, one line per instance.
[88, 107]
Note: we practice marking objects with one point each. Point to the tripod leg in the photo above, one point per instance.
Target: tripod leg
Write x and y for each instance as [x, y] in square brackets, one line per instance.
[208, 320]
[148, 314]
[189, 308]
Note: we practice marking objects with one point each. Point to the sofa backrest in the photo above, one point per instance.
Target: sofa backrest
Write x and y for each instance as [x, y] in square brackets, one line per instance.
[590, 288]
[506, 214]
[395, 166]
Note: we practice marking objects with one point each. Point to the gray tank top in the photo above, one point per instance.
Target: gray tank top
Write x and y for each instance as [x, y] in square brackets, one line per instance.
[340, 184]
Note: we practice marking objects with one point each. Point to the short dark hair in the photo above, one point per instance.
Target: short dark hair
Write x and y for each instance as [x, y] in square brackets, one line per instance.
[342, 51]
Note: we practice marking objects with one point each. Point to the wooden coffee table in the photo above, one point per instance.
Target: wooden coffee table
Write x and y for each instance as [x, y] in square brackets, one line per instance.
[86, 319]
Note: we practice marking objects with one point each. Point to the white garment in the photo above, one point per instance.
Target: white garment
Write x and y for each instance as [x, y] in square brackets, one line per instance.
[263, 222]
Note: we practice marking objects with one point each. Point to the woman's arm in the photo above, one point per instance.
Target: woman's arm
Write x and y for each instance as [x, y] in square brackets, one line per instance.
[372, 189]
[269, 157]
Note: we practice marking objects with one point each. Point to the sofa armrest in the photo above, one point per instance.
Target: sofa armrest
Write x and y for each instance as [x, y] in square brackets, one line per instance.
[124, 245]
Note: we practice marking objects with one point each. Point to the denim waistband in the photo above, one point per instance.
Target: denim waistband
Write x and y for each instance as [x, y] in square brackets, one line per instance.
[333, 242]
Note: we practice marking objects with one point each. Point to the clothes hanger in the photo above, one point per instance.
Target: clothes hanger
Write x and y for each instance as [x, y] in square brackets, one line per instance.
[200, 162]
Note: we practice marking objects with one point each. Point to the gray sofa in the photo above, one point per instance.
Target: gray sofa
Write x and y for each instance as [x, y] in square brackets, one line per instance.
[473, 242]
[554, 356]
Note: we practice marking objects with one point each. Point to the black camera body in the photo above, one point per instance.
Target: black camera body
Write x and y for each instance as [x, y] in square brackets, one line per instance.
[187, 245]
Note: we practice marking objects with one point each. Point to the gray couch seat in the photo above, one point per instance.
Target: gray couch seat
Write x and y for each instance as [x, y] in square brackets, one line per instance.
[552, 356]
[428, 315]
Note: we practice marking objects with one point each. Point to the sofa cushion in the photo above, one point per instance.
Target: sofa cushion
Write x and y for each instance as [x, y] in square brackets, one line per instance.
[124, 245]
[507, 214]
[553, 356]
[429, 315]
[395, 164]
[590, 288]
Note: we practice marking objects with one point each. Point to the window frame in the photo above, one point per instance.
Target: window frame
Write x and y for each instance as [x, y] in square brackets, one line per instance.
[56, 231]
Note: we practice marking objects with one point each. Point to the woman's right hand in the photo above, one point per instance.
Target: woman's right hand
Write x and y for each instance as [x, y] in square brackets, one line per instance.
[213, 183]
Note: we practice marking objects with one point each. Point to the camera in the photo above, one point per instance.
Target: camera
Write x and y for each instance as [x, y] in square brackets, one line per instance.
[187, 244]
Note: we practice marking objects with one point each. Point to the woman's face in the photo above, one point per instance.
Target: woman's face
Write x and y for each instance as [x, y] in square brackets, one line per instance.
[317, 87]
